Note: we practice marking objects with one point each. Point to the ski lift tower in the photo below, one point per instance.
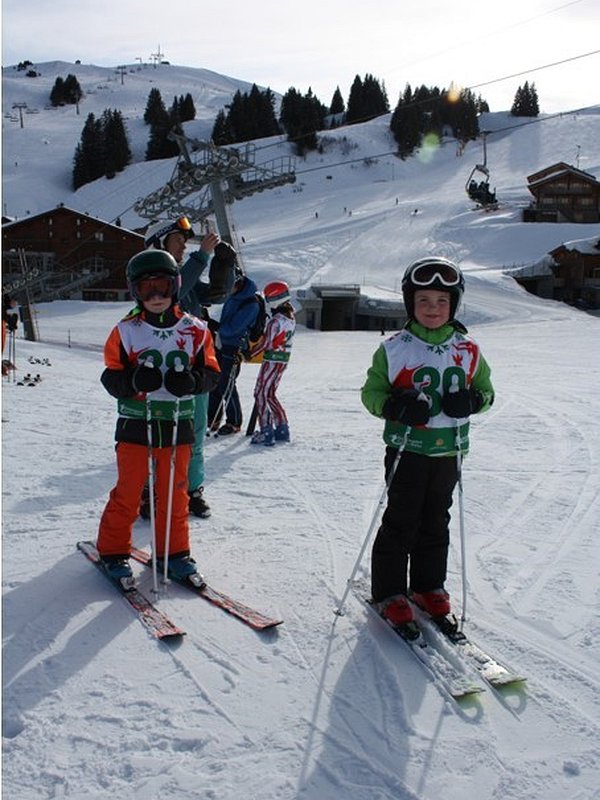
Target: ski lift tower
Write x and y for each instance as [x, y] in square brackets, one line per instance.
[207, 178]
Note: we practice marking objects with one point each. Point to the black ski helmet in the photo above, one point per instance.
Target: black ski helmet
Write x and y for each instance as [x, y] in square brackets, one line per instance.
[152, 262]
[434, 272]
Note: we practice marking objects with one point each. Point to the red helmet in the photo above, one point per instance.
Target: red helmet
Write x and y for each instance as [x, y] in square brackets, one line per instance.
[276, 294]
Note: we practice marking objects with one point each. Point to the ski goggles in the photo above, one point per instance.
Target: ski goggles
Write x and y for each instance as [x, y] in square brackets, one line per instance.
[430, 272]
[183, 224]
[155, 285]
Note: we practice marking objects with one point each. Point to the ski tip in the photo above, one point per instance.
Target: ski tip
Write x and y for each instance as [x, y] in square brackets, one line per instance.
[468, 692]
[509, 682]
[172, 637]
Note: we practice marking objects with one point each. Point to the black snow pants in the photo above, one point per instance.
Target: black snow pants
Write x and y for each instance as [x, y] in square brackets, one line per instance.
[413, 538]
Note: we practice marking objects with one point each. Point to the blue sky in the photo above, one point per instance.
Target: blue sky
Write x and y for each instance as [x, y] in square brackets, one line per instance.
[325, 44]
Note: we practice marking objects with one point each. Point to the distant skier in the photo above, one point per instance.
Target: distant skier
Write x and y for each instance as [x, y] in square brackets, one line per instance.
[153, 356]
[425, 381]
[276, 347]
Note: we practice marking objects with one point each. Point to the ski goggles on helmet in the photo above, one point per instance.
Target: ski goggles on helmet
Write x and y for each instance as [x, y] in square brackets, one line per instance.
[155, 285]
[428, 273]
[183, 224]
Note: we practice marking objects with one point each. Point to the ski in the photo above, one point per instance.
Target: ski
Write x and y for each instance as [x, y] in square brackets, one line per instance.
[159, 625]
[449, 679]
[255, 619]
[494, 672]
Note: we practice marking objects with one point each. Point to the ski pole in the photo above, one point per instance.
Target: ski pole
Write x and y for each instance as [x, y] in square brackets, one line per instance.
[13, 355]
[151, 495]
[252, 420]
[151, 482]
[461, 515]
[340, 609]
[178, 368]
[461, 512]
[222, 407]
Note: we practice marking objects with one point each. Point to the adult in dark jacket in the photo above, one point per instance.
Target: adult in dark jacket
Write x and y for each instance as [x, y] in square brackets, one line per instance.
[238, 316]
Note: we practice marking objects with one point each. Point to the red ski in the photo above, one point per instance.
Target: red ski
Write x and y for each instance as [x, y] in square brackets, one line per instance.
[255, 619]
[159, 625]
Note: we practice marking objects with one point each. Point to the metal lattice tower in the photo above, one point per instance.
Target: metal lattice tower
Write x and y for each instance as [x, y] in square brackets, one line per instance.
[207, 178]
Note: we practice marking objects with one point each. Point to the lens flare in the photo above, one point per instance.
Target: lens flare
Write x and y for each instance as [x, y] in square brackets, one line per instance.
[453, 95]
[429, 147]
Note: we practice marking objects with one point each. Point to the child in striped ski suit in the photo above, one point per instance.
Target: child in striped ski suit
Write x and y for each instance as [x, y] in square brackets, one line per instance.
[276, 347]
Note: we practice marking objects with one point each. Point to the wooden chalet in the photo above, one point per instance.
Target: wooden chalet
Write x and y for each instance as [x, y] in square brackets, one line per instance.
[570, 272]
[67, 254]
[563, 193]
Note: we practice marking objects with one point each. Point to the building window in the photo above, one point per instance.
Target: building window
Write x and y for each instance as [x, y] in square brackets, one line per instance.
[99, 236]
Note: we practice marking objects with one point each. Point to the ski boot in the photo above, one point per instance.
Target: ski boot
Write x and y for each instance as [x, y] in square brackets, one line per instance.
[119, 570]
[396, 611]
[197, 504]
[182, 567]
[263, 436]
[282, 433]
[436, 602]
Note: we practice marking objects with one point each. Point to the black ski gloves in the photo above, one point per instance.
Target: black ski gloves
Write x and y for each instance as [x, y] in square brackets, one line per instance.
[407, 406]
[146, 378]
[221, 272]
[225, 253]
[180, 382]
[206, 380]
[462, 403]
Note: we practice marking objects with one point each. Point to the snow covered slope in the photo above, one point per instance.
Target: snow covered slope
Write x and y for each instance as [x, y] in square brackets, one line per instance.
[324, 707]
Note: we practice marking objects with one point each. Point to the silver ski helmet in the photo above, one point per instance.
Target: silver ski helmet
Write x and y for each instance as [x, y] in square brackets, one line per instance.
[434, 272]
[152, 263]
[157, 232]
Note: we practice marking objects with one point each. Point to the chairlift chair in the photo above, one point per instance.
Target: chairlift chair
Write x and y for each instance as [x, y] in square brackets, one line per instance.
[480, 192]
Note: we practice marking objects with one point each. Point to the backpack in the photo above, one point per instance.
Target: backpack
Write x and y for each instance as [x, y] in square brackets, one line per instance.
[256, 332]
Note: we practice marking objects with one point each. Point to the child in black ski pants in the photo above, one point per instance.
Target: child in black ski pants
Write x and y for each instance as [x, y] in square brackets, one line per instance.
[425, 382]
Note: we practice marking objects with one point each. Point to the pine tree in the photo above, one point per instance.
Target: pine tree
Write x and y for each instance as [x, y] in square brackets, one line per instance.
[406, 123]
[118, 152]
[367, 99]
[534, 101]
[66, 92]
[268, 120]
[89, 161]
[337, 103]
[161, 123]
[102, 150]
[73, 92]
[187, 109]
[249, 116]
[430, 110]
[355, 109]
[525, 103]
[155, 108]
[57, 93]
[301, 117]
[222, 132]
